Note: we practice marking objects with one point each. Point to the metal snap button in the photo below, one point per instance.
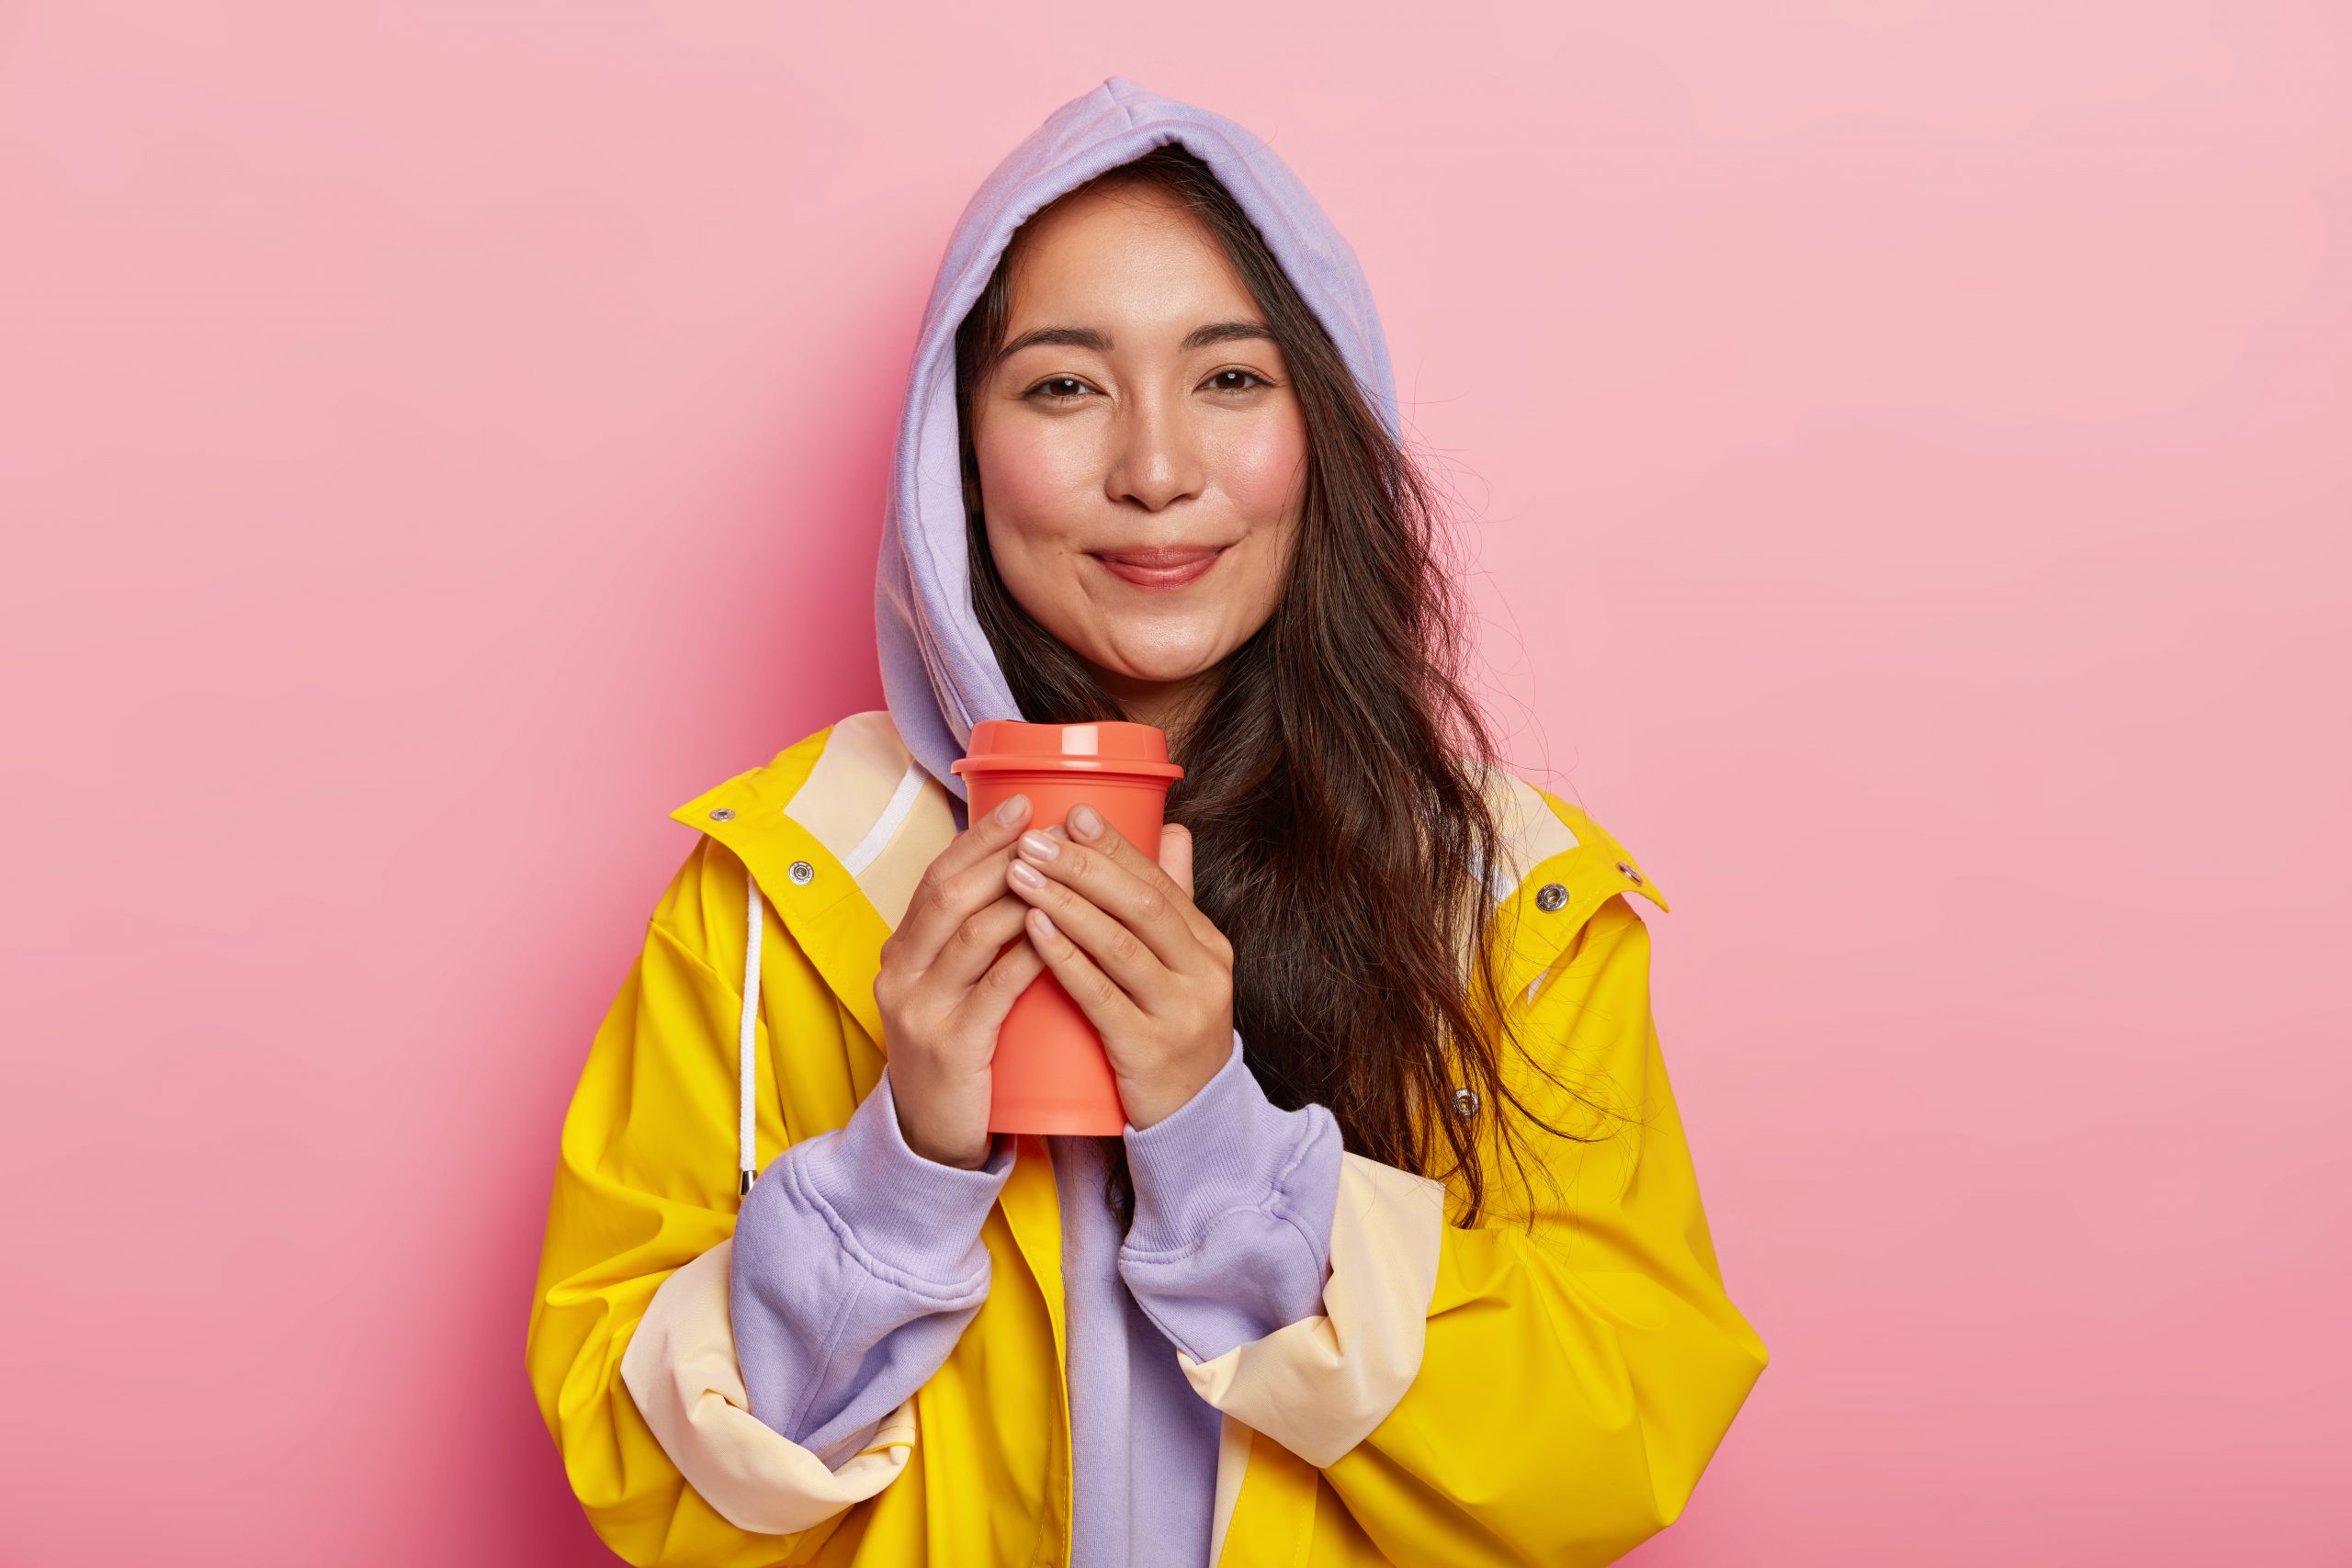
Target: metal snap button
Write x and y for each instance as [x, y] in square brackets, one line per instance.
[723, 814]
[1465, 1102]
[1550, 897]
[1629, 871]
[801, 872]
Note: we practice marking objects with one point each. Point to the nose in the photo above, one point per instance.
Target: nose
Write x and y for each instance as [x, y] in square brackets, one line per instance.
[1156, 458]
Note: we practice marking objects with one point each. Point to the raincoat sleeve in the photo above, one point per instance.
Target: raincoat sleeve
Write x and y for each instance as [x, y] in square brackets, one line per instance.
[1489, 1395]
[630, 1350]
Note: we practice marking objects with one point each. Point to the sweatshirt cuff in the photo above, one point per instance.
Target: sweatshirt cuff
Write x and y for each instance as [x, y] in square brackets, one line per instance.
[914, 1217]
[1229, 1147]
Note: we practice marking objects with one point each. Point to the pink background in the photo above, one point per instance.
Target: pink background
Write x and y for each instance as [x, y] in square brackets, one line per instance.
[1907, 445]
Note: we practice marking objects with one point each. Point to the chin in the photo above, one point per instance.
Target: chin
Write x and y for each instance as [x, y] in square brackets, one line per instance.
[1159, 670]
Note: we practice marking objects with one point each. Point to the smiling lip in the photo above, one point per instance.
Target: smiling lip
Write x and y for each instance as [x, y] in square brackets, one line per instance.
[1167, 566]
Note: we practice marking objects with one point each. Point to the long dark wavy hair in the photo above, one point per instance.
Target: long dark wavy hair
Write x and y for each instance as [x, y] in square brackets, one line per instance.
[1333, 779]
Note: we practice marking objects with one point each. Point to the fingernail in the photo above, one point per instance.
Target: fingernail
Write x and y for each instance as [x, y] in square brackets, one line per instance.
[1028, 876]
[1012, 810]
[1039, 846]
[1085, 821]
[1045, 924]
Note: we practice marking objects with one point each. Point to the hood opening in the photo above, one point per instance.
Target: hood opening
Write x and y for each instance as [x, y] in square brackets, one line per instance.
[940, 675]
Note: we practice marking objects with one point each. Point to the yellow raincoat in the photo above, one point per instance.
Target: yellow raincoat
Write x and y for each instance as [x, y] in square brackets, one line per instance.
[1469, 1396]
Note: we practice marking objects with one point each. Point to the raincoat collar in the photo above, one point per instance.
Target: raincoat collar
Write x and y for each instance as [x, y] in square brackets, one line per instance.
[838, 829]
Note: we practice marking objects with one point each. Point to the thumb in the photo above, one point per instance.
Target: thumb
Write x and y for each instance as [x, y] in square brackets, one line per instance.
[1176, 855]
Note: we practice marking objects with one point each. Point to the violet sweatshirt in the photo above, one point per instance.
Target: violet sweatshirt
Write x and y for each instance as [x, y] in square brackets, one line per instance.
[858, 1263]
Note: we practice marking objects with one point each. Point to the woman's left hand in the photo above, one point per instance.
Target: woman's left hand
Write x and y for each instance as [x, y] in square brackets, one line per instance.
[1119, 930]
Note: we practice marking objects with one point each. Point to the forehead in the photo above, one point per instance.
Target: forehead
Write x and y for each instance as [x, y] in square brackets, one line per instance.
[1129, 252]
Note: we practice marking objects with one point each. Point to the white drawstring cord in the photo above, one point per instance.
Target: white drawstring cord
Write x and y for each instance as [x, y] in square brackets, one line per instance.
[747, 1063]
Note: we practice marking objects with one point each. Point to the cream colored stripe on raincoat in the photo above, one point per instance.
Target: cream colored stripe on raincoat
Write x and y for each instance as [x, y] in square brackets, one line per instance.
[864, 762]
[1319, 1386]
[680, 1368]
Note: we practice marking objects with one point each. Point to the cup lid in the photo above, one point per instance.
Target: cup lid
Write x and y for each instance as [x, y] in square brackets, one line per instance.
[998, 745]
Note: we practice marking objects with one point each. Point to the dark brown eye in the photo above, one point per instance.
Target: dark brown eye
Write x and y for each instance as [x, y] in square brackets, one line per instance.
[1237, 380]
[1059, 388]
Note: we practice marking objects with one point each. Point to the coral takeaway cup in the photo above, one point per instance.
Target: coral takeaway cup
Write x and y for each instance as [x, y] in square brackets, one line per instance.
[1051, 1074]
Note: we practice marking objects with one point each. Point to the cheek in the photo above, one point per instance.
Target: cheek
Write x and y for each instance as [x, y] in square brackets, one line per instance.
[1034, 480]
[1035, 491]
[1261, 467]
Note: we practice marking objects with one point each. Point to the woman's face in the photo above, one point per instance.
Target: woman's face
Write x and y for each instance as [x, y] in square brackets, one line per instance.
[1142, 455]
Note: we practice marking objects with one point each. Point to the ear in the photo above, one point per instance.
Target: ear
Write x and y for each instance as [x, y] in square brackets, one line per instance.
[1176, 855]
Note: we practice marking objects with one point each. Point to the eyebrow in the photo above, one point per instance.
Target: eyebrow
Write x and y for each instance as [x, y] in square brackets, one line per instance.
[1087, 337]
[1225, 332]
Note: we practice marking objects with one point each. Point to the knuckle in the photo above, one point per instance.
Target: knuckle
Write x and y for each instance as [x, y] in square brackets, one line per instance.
[957, 893]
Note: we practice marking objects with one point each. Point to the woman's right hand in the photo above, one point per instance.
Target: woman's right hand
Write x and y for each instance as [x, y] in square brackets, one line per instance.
[944, 988]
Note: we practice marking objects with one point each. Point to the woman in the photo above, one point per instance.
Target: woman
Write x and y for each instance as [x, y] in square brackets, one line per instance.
[1400, 1256]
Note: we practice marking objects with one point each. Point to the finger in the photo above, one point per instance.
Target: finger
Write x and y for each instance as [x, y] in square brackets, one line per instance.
[992, 995]
[1091, 828]
[1156, 910]
[985, 834]
[1117, 950]
[1106, 1007]
[967, 874]
[974, 942]
[929, 927]
[1176, 855]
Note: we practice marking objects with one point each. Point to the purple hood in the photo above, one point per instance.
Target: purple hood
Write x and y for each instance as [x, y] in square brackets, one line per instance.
[939, 674]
